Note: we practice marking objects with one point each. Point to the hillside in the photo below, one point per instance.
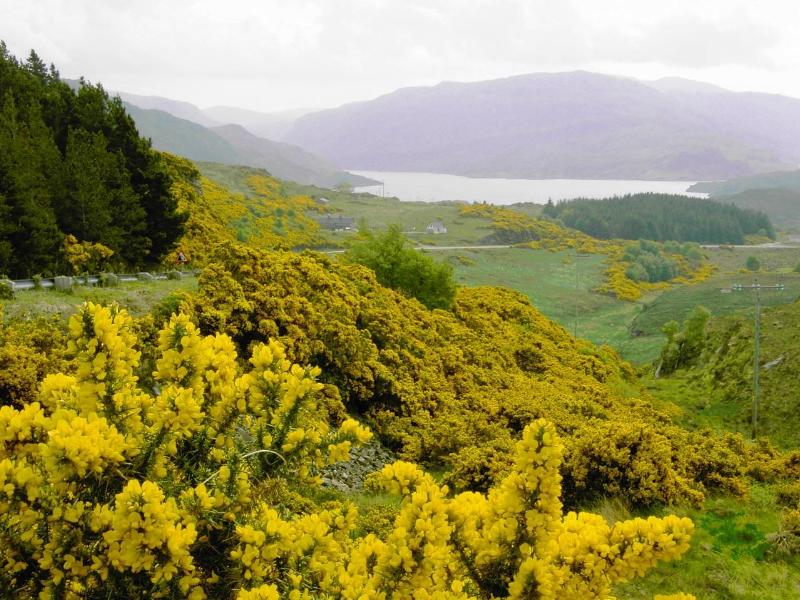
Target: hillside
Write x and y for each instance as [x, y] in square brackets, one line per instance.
[181, 136]
[233, 145]
[285, 161]
[789, 180]
[781, 205]
[456, 390]
[768, 121]
[717, 391]
[273, 126]
[177, 108]
[570, 125]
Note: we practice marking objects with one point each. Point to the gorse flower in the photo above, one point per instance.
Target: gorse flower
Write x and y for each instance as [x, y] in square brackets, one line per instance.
[106, 489]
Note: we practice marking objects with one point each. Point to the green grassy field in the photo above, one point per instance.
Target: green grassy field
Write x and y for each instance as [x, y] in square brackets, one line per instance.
[377, 212]
[137, 297]
[677, 302]
[732, 260]
[729, 557]
[634, 329]
[412, 217]
[548, 279]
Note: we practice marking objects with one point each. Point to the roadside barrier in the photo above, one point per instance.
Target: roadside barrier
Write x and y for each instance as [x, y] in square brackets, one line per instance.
[66, 282]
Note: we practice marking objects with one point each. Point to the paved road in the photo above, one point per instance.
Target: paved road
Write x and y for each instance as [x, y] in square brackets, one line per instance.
[440, 248]
[767, 246]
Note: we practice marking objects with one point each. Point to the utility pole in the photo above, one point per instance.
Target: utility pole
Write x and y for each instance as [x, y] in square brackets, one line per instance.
[575, 323]
[757, 287]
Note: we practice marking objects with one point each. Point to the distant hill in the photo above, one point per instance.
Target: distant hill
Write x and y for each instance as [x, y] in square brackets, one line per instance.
[782, 206]
[775, 194]
[768, 121]
[789, 180]
[232, 144]
[181, 136]
[177, 108]
[285, 161]
[551, 125]
[273, 126]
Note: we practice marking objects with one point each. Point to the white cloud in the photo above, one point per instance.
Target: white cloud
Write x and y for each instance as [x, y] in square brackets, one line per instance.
[273, 54]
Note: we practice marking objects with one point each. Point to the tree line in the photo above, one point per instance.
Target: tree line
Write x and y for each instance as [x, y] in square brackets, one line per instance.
[661, 217]
[73, 163]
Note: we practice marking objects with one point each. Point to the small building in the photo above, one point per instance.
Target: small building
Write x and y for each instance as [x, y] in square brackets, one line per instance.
[323, 201]
[436, 227]
[336, 222]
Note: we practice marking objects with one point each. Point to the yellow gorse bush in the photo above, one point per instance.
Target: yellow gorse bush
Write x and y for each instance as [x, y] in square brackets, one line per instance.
[457, 387]
[110, 490]
[103, 485]
[265, 217]
[85, 256]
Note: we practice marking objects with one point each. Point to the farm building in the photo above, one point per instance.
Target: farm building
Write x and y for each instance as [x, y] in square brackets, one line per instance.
[436, 227]
[336, 222]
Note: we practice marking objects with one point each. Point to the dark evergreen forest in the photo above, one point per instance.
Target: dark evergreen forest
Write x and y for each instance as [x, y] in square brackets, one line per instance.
[72, 162]
[661, 217]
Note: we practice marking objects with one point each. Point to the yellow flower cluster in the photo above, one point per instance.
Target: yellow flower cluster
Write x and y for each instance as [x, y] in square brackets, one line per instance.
[450, 387]
[85, 257]
[633, 460]
[108, 490]
[143, 533]
[263, 592]
[511, 543]
[265, 217]
[105, 488]
[77, 446]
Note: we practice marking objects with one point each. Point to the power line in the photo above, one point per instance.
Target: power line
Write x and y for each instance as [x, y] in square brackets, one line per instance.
[757, 287]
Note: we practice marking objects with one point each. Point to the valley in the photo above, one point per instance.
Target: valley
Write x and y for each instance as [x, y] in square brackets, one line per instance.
[464, 386]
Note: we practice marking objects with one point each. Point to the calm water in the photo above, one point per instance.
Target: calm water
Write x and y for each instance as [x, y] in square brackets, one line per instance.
[432, 187]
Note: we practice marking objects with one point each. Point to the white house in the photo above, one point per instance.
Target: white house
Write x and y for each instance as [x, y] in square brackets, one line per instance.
[436, 227]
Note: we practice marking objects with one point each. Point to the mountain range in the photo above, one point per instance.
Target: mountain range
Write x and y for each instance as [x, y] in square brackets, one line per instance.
[235, 145]
[561, 125]
[215, 135]
[543, 125]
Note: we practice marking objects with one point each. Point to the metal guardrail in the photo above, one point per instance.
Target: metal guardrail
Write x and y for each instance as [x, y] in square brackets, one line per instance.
[92, 280]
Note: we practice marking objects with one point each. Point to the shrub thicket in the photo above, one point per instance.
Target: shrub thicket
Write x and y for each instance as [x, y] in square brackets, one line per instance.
[447, 387]
[107, 490]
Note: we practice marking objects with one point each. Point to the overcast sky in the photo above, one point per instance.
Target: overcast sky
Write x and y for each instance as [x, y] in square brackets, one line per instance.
[271, 55]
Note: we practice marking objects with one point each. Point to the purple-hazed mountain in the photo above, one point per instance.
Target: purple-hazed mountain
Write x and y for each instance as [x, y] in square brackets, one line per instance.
[561, 125]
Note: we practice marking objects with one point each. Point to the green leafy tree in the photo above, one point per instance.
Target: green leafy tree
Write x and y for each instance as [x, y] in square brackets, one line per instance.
[401, 267]
[753, 264]
[684, 346]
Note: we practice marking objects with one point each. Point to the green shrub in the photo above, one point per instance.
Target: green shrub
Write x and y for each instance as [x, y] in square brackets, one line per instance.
[398, 266]
[6, 290]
